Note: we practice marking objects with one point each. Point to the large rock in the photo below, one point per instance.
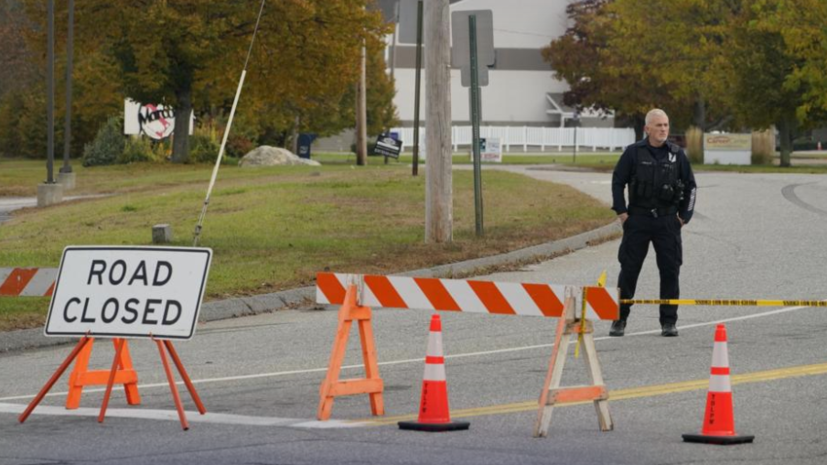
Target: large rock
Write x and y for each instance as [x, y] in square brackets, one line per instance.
[273, 156]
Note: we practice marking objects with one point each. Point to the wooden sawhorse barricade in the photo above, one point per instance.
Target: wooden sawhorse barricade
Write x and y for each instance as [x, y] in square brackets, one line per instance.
[120, 373]
[357, 293]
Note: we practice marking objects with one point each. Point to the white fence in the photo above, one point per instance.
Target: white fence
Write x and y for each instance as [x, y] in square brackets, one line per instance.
[536, 138]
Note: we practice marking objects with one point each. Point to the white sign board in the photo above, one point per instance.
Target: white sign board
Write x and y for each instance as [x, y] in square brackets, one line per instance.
[131, 292]
[154, 121]
[491, 149]
[728, 149]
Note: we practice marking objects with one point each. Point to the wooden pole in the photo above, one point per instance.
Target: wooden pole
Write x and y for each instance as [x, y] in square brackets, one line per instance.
[415, 167]
[438, 191]
[361, 115]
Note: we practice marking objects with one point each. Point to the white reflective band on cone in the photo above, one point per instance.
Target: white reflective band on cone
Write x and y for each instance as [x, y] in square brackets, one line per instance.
[720, 359]
[718, 383]
[434, 372]
[435, 344]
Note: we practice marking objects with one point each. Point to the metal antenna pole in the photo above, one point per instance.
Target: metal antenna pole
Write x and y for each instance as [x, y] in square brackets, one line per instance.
[198, 227]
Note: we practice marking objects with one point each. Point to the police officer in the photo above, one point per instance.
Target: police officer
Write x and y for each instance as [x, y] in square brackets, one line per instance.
[661, 200]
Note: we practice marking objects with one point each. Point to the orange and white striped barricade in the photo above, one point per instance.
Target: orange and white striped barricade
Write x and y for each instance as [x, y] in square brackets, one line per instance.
[120, 293]
[473, 296]
[27, 282]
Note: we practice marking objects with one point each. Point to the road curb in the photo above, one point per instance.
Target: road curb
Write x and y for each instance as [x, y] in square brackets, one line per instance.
[305, 296]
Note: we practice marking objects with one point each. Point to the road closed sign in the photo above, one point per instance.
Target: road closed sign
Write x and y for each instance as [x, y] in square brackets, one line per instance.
[132, 292]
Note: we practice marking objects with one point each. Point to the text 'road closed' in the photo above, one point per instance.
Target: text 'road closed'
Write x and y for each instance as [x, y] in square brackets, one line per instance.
[128, 292]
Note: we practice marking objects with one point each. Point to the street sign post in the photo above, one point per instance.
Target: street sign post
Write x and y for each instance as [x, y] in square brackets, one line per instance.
[473, 52]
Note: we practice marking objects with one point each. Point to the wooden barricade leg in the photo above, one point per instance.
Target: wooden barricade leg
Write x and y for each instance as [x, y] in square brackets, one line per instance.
[111, 382]
[554, 375]
[84, 341]
[82, 377]
[186, 377]
[372, 384]
[172, 387]
[553, 394]
[601, 405]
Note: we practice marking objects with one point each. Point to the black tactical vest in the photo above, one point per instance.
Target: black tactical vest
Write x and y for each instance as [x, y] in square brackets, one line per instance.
[655, 183]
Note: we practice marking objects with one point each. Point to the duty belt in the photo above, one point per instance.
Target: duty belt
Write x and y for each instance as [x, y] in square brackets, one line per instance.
[653, 212]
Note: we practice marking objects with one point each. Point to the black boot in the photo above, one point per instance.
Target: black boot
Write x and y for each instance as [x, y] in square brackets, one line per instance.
[618, 328]
[669, 330]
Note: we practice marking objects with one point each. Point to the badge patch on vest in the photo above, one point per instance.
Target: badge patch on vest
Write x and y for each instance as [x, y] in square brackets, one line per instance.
[672, 157]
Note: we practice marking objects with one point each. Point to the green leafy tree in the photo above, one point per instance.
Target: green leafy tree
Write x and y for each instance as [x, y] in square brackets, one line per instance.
[596, 73]
[677, 47]
[773, 68]
[189, 54]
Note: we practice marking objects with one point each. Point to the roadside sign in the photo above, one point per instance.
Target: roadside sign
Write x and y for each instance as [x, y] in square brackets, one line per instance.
[153, 120]
[728, 149]
[388, 146]
[461, 49]
[128, 292]
[491, 149]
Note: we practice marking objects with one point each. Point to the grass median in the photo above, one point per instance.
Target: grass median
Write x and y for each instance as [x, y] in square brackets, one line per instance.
[275, 228]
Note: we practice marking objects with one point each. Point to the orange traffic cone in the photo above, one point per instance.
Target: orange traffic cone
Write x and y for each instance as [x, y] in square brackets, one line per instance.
[719, 421]
[434, 414]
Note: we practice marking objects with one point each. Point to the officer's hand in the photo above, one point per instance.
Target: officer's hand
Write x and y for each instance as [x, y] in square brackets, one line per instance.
[623, 217]
[682, 221]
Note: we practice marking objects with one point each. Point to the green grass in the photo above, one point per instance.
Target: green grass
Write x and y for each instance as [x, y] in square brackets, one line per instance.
[594, 161]
[275, 228]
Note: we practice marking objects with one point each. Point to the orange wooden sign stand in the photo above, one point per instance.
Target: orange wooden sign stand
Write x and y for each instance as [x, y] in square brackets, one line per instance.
[372, 384]
[81, 376]
[121, 373]
[552, 393]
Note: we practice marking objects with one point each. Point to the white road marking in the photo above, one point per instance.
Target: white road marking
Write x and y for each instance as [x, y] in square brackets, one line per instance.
[192, 417]
[421, 359]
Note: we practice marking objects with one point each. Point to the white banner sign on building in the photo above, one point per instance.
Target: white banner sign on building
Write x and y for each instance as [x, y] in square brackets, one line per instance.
[155, 121]
[131, 292]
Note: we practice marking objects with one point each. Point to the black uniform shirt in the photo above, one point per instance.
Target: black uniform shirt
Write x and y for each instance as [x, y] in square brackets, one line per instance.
[622, 176]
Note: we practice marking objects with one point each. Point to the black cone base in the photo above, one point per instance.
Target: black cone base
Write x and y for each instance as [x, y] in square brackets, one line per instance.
[434, 427]
[719, 440]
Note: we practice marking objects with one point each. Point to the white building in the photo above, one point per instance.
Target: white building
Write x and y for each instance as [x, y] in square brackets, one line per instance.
[522, 89]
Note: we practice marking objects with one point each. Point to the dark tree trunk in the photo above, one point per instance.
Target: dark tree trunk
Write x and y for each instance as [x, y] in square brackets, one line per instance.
[699, 114]
[181, 141]
[785, 134]
[639, 121]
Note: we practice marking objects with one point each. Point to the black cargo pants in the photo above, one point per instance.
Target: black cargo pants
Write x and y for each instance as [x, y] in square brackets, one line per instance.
[664, 232]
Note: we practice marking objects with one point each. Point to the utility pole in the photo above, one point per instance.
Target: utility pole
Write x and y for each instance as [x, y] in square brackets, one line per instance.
[395, 35]
[361, 115]
[50, 192]
[415, 166]
[66, 177]
[50, 99]
[438, 193]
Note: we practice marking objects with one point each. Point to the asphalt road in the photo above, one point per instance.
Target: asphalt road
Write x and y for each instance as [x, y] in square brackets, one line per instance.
[757, 236]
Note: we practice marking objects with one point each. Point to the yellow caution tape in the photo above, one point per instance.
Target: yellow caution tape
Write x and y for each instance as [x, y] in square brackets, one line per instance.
[601, 281]
[728, 302]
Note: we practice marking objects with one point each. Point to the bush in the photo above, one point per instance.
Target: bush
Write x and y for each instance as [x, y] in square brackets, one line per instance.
[137, 149]
[763, 147]
[203, 148]
[107, 146]
[239, 145]
[695, 145]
